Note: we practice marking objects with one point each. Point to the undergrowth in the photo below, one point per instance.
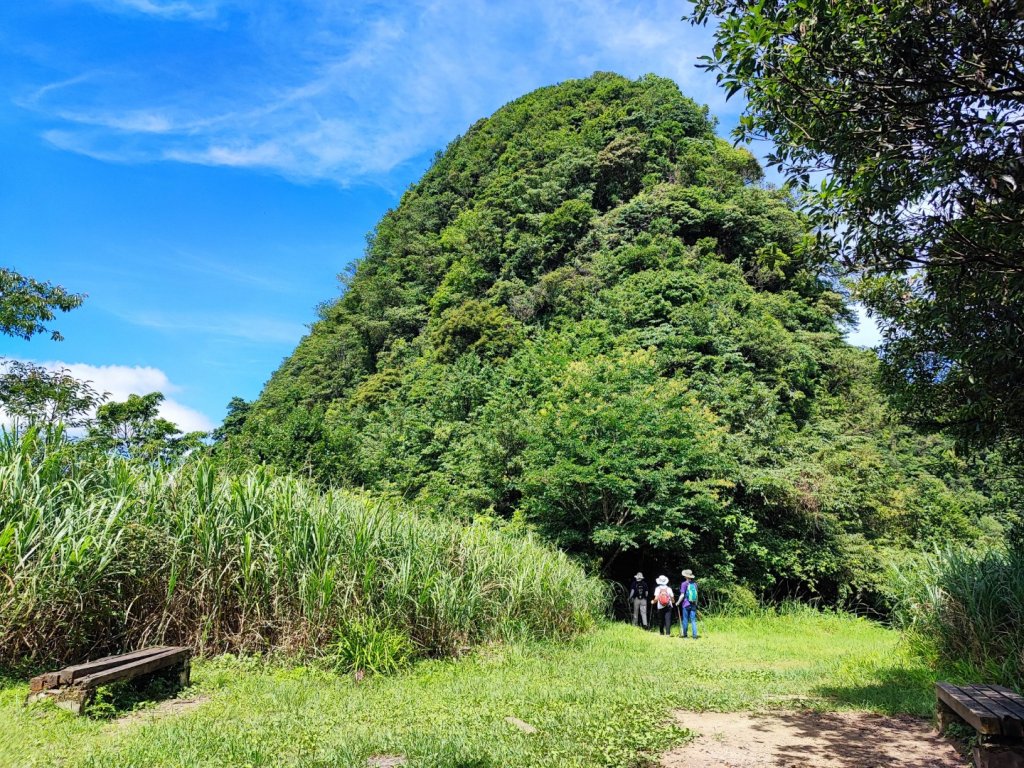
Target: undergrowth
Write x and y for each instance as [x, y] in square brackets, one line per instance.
[99, 554]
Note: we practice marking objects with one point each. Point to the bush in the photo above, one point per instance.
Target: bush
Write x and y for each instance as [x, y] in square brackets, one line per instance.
[968, 607]
[718, 597]
[365, 644]
[98, 554]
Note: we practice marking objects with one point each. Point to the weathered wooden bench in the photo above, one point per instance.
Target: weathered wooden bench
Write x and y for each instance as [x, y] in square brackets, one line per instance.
[996, 713]
[72, 687]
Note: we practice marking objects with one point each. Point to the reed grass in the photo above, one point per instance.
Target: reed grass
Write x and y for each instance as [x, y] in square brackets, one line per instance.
[967, 607]
[99, 554]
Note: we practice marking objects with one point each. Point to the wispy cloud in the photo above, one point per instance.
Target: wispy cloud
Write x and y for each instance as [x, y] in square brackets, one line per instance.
[206, 264]
[166, 9]
[350, 91]
[253, 328]
[119, 381]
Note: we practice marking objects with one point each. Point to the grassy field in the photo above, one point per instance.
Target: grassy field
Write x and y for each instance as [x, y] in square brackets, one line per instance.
[599, 700]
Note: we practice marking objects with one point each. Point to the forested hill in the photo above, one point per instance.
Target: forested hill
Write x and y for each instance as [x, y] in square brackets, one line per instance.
[589, 316]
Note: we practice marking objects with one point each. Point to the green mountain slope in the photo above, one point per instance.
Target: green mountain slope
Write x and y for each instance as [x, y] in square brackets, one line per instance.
[590, 317]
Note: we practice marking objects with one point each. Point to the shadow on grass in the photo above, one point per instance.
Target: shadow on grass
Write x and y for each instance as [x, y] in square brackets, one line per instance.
[896, 691]
[118, 699]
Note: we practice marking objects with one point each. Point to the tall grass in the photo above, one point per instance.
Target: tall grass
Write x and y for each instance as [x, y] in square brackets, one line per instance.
[98, 554]
[969, 607]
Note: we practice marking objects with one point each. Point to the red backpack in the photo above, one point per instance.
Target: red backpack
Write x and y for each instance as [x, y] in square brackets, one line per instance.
[663, 597]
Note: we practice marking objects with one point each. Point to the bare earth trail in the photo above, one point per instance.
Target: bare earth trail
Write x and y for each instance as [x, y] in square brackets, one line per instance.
[822, 740]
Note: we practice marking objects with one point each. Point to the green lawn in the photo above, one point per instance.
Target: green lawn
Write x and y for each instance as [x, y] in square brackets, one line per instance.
[596, 701]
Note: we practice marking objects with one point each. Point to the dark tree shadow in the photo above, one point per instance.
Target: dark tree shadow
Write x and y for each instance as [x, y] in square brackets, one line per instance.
[864, 740]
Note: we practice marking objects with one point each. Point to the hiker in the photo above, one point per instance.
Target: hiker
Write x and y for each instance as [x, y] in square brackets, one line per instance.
[638, 592]
[688, 603]
[663, 601]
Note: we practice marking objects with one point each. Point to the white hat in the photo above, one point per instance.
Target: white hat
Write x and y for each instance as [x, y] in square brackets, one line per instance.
[638, 576]
[662, 580]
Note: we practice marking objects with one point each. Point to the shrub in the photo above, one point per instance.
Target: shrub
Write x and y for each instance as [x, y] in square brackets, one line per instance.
[719, 597]
[968, 606]
[365, 644]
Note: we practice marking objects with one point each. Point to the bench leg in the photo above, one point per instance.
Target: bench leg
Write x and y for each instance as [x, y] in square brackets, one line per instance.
[996, 755]
[71, 699]
[945, 716]
[185, 675]
[179, 675]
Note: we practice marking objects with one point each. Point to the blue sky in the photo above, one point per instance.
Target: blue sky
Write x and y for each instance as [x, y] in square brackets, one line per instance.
[203, 169]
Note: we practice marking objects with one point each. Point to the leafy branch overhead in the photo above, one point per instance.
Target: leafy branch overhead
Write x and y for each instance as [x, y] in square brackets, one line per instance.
[915, 113]
[27, 306]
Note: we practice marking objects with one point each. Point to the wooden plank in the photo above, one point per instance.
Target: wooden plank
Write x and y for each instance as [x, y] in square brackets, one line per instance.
[1013, 703]
[973, 712]
[78, 671]
[135, 668]
[1009, 721]
[44, 682]
[1014, 698]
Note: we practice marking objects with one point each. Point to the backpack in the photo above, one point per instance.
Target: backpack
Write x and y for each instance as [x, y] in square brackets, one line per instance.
[664, 597]
[691, 593]
[640, 589]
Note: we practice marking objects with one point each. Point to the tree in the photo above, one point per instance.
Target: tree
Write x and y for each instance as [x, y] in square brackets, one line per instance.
[27, 305]
[238, 412]
[39, 395]
[617, 460]
[134, 429]
[914, 110]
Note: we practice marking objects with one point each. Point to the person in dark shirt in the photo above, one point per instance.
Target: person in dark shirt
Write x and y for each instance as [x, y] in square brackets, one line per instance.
[638, 592]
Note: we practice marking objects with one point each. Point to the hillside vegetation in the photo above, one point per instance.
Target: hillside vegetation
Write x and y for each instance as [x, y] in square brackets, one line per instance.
[592, 316]
[101, 554]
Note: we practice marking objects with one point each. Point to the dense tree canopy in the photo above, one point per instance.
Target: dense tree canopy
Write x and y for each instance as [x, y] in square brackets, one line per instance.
[916, 112]
[591, 317]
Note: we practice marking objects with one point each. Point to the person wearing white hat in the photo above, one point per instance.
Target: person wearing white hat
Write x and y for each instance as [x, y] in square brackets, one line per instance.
[688, 603]
[663, 602]
[638, 592]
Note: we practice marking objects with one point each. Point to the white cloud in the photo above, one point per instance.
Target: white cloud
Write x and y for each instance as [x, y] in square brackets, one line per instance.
[350, 91]
[123, 380]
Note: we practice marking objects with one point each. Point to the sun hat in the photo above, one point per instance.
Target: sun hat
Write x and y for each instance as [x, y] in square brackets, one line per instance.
[688, 574]
[662, 580]
[638, 576]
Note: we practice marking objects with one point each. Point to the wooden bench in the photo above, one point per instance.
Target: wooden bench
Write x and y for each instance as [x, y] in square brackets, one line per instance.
[72, 687]
[996, 713]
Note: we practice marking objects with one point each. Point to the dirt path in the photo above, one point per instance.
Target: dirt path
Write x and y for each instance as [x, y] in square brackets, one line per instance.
[822, 740]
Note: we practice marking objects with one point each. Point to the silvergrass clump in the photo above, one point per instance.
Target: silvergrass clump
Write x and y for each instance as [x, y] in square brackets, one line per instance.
[99, 554]
[968, 607]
